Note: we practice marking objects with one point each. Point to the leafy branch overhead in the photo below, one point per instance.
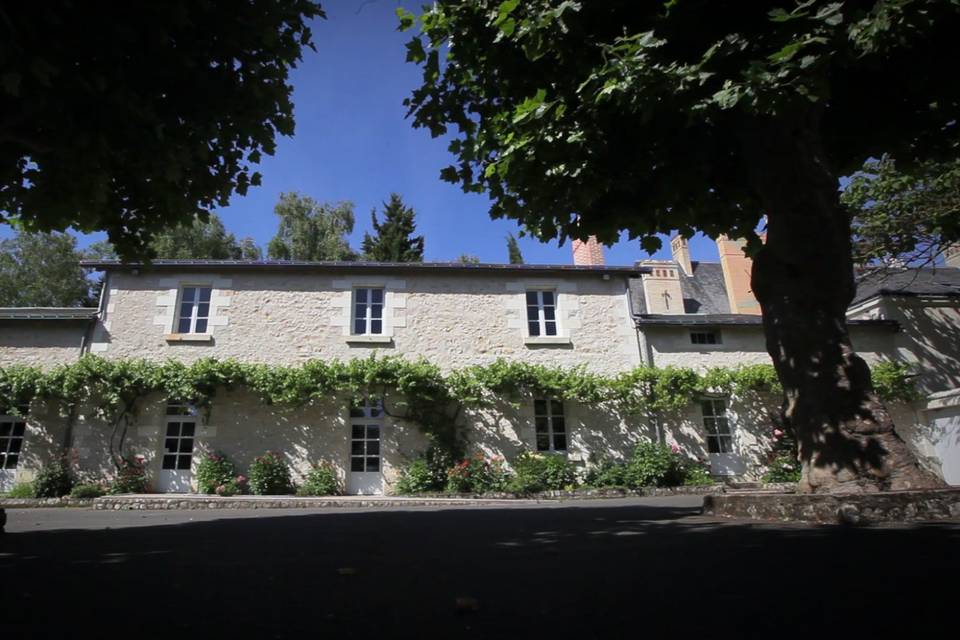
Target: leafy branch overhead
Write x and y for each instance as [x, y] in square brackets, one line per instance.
[133, 121]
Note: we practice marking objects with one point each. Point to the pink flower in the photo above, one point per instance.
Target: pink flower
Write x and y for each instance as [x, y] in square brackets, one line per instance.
[777, 433]
[674, 448]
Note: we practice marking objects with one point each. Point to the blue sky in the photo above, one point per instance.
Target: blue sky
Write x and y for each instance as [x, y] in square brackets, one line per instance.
[353, 142]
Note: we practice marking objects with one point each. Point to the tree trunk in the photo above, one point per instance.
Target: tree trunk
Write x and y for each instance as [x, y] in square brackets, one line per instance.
[803, 279]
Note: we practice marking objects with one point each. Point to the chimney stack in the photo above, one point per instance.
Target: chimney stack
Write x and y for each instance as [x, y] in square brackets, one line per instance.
[736, 276]
[588, 253]
[681, 253]
[951, 255]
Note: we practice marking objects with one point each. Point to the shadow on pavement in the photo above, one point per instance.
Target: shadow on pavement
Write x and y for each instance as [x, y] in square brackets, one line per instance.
[603, 572]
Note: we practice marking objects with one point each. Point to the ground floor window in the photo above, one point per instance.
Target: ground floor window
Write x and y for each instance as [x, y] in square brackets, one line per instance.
[366, 422]
[717, 425]
[181, 429]
[550, 425]
[12, 429]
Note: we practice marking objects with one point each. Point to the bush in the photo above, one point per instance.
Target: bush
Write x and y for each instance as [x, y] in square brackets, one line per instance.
[696, 474]
[53, 480]
[320, 481]
[542, 472]
[783, 468]
[232, 487]
[653, 465]
[86, 491]
[131, 478]
[22, 490]
[607, 473]
[270, 475]
[213, 471]
[416, 477]
[477, 475]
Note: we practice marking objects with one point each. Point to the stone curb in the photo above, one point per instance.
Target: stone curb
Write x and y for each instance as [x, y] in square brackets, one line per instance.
[892, 506]
[154, 502]
[36, 503]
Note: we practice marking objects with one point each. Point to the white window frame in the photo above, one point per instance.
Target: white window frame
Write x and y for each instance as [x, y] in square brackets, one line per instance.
[549, 414]
[716, 419]
[541, 314]
[194, 311]
[717, 338]
[7, 441]
[181, 413]
[368, 318]
[366, 413]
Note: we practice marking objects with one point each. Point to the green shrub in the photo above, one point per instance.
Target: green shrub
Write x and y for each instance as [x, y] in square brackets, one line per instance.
[54, 480]
[542, 472]
[607, 473]
[696, 474]
[653, 465]
[214, 470]
[270, 475]
[131, 478]
[320, 481]
[22, 490]
[477, 475]
[416, 477]
[86, 491]
[232, 487]
[783, 468]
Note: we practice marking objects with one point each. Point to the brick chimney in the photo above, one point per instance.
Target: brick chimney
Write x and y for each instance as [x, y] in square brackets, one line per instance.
[736, 275]
[588, 253]
[951, 255]
[681, 253]
[661, 287]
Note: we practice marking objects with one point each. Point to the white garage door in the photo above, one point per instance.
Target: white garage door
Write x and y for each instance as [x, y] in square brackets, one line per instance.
[945, 428]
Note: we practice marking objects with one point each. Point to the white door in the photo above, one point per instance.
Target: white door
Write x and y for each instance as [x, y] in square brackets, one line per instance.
[945, 425]
[12, 429]
[366, 429]
[175, 473]
[724, 459]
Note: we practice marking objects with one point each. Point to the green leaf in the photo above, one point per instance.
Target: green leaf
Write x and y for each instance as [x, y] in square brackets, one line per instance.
[407, 19]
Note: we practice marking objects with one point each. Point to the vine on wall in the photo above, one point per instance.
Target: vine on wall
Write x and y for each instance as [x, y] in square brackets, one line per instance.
[428, 398]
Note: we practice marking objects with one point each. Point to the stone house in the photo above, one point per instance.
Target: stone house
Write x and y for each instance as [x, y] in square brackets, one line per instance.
[605, 319]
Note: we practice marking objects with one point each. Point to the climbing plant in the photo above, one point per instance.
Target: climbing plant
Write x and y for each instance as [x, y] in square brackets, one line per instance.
[419, 390]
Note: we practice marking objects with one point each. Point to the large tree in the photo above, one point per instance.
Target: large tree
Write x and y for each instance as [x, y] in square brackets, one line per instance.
[43, 270]
[584, 118]
[203, 240]
[130, 118]
[311, 230]
[393, 239]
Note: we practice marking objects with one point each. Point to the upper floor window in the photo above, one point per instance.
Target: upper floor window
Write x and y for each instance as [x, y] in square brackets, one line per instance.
[550, 425]
[717, 425]
[705, 337]
[542, 313]
[194, 310]
[368, 311]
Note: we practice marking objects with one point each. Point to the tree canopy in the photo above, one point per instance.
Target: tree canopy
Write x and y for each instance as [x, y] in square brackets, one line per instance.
[132, 119]
[203, 240]
[584, 119]
[903, 219]
[43, 270]
[311, 230]
[393, 239]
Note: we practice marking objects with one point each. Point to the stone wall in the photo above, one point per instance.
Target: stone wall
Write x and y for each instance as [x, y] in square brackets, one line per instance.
[452, 320]
[41, 343]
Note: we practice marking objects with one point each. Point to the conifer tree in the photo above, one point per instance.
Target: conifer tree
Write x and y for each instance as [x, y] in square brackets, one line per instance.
[394, 240]
[513, 249]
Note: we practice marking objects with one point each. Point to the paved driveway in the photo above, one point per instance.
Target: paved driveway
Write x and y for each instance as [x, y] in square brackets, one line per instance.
[591, 569]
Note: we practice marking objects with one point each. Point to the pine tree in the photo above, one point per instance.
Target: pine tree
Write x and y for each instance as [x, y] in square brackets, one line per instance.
[513, 249]
[394, 240]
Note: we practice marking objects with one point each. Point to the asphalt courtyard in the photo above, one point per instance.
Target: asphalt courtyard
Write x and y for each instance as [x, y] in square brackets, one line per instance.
[588, 569]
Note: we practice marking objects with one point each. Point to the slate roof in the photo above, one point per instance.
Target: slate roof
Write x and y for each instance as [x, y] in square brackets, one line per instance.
[732, 319]
[939, 281]
[703, 292]
[285, 265]
[47, 313]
